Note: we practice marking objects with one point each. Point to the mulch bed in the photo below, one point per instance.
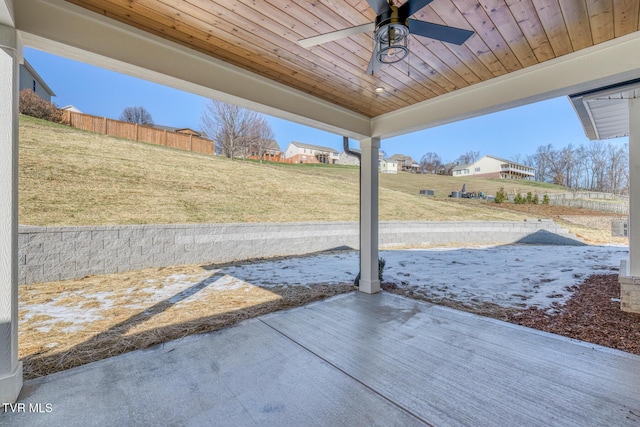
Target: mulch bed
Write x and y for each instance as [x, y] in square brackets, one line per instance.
[592, 314]
[550, 211]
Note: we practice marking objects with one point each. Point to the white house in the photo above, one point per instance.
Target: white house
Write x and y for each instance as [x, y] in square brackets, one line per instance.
[300, 152]
[30, 79]
[405, 163]
[388, 166]
[495, 167]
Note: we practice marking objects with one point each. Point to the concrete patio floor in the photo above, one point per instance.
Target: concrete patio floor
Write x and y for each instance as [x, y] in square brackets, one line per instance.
[354, 359]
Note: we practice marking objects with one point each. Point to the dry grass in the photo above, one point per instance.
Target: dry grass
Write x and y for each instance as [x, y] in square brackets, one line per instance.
[71, 177]
[74, 322]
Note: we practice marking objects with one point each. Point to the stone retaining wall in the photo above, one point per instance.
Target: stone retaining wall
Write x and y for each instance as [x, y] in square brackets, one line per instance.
[58, 253]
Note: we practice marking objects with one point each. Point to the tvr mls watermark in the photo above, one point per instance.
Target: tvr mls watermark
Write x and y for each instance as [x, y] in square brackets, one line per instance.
[38, 408]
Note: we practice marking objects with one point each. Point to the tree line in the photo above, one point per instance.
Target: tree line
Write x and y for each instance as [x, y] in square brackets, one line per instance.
[593, 166]
[596, 166]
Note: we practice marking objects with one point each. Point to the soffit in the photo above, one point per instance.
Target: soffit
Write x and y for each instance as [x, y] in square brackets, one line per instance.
[604, 112]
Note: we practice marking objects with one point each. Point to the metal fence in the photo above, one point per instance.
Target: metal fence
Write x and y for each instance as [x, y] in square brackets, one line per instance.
[619, 208]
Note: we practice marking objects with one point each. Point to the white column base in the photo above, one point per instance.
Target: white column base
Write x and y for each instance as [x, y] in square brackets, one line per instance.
[10, 386]
[629, 290]
[369, 286]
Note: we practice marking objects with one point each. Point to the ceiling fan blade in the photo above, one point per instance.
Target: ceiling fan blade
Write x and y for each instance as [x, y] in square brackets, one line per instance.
[370, 66]
[379, 6]
[411, 7]
[439, 32]
[374, 65]
[336, 35]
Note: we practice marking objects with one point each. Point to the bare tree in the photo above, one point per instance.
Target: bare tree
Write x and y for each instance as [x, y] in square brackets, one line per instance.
[617, 168]
[236, 131]
[138, 115]
[469, 157]
[430, 162]
[596, 167]
[263, 134]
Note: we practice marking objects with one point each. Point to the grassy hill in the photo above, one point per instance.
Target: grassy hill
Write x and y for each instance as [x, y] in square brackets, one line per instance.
[72, 177]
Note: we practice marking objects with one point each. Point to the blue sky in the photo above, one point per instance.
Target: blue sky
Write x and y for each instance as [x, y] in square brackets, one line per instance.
[505, 134]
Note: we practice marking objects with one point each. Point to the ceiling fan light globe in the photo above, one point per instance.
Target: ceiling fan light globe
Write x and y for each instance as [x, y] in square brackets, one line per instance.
[391, 55]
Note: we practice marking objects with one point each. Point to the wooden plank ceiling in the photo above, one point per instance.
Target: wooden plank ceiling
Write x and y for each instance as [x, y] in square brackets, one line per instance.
[261, 36]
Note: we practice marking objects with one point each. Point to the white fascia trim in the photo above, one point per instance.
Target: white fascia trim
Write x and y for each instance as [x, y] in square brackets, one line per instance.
[6, 13]
[67, 30]
[597, 66]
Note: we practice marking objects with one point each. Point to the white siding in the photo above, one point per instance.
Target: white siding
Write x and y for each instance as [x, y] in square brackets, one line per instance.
[28, 81]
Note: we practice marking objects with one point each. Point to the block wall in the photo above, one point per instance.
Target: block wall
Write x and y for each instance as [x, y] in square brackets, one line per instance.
[58, 253]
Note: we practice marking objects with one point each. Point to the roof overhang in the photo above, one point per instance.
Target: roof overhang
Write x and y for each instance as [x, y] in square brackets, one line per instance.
[604, 112]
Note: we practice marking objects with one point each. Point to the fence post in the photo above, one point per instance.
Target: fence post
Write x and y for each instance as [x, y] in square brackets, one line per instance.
[190, 142]
[165, 138]
[137, 132]
[105, 127]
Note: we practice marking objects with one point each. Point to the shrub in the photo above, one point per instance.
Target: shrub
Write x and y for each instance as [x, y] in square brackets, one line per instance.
[529, 197]
[381, 264]
[535, 199]
[545, 199]
[32, 105]
[519, 200]
[501, 195]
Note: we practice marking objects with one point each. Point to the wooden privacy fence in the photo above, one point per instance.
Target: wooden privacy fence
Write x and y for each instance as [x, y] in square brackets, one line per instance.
[135, 132]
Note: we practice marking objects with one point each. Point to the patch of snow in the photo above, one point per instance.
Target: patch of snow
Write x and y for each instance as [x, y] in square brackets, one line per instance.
[507, 275]
[56, 313]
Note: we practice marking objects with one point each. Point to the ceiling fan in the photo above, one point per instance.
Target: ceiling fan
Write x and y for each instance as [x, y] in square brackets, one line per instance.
[391, 31]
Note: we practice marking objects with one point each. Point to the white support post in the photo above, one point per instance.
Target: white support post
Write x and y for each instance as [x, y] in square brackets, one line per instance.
[10, 366]
[369, 282]
[634, 187]
[629, 278]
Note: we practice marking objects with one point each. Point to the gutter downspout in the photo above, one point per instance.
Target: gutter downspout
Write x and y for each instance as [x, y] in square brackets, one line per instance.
[348, 150]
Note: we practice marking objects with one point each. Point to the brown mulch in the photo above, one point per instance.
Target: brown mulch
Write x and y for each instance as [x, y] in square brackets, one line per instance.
[551, 211]
[592, 314]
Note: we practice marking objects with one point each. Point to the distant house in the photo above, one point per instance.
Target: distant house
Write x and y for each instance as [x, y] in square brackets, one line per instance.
[495, 167]
[405, 163]
[71, 108]
[186, 131]
[270, 151]
[30, 79]
[347, 159]
[299, 152]
[388, 166]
